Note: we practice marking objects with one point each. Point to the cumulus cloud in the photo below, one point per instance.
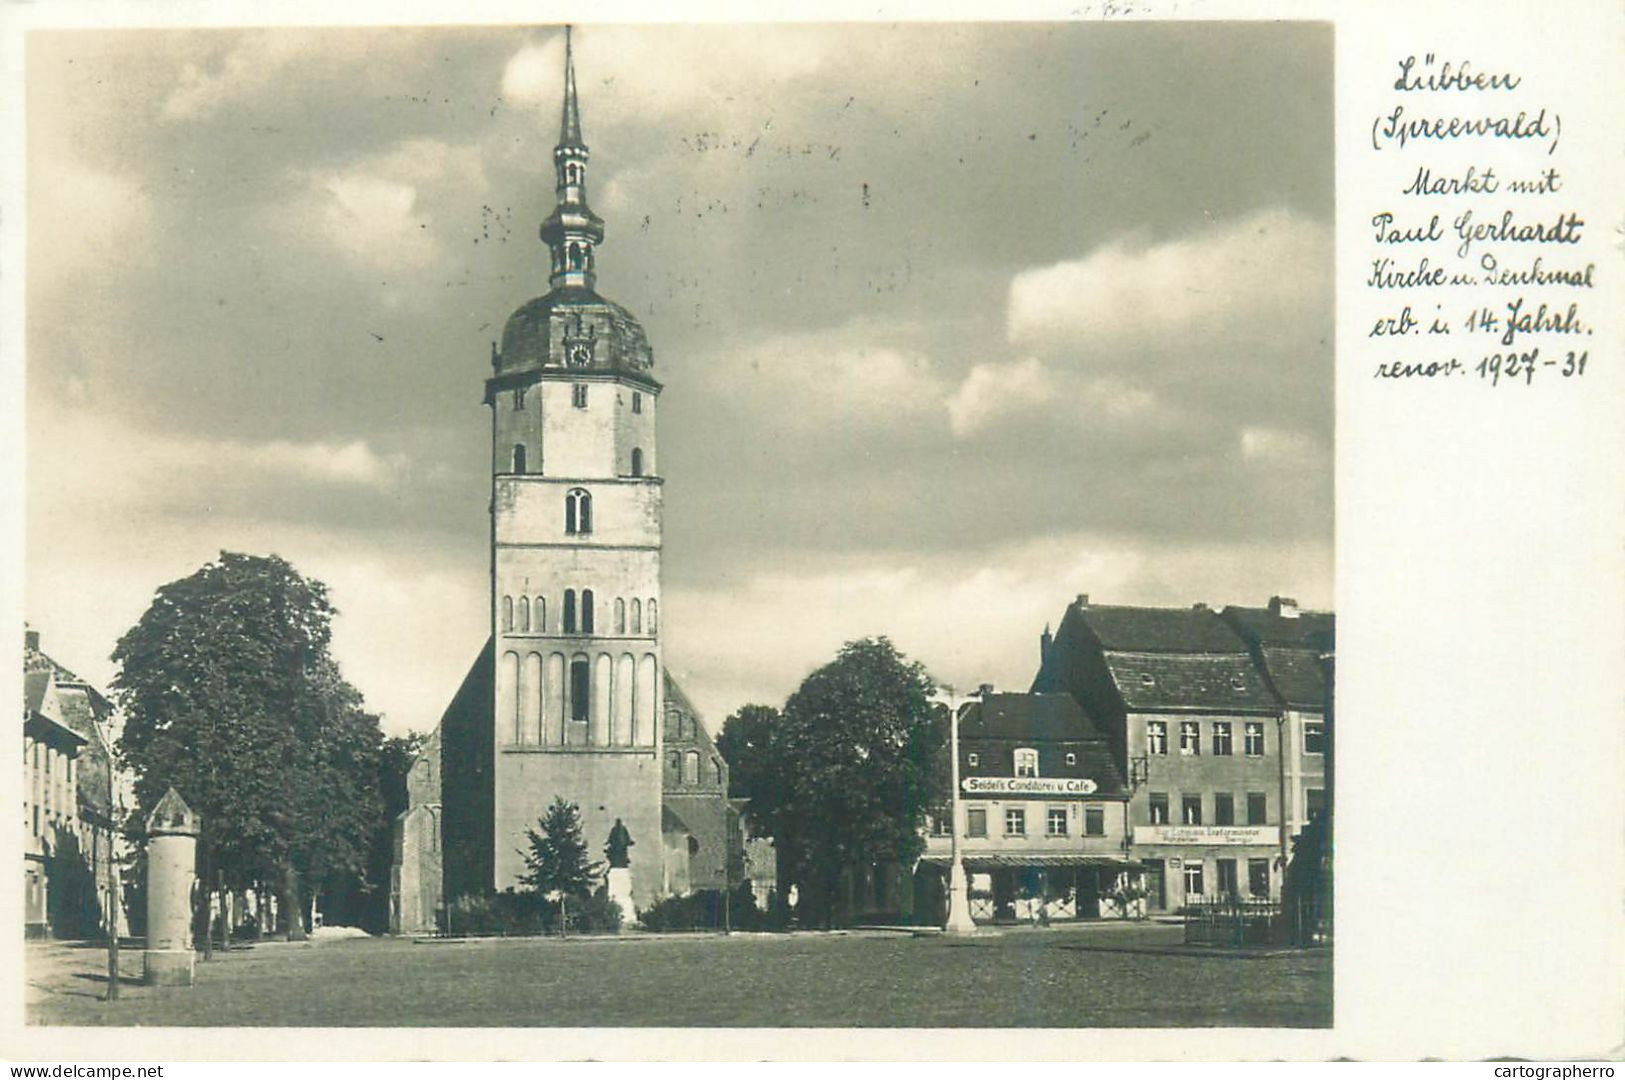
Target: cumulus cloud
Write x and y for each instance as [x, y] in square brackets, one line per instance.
[995, 391]
[253, 64]
[1268, 267]
[78, 216]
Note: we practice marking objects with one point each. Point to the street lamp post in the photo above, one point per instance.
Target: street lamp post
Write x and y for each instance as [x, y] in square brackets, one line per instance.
[959, 920]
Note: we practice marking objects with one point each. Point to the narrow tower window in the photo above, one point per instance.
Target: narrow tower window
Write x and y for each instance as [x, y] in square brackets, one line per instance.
[637, 462]
[577, 512]
[569, 611]
[540, 622]
[649, 613]
[580, 690]
[578, 395]
[586, 611]
[524, 615]
[507, 614]
[637, 402]
[519, 398]
[620, 615]
[637, 616]
[519, 458]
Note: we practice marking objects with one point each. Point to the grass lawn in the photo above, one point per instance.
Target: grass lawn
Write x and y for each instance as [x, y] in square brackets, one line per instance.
[1087, 976]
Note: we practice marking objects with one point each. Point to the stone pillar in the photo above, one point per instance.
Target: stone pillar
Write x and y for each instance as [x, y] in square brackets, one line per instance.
[620, 891]
[172, 832]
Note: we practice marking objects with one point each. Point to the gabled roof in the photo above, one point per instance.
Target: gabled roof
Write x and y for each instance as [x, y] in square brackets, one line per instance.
[35, 683]
[1146, 629]
[1043, 717]
[1289, 648]
[1217, 683]
[1315, 630]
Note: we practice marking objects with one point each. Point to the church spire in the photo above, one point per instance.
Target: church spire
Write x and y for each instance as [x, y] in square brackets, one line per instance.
[570, 123]
[572, 230]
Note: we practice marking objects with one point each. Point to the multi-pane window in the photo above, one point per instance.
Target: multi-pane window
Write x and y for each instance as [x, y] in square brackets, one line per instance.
[1257, 808]
[1190, 737]
[941, 824]
[976, 821]
[1224, 809]
[1156, 737]
[1055, 821]
[1094, 821]
[1314, 737]
[578, 395]
[1026, 762]
[1315, 802]
[1227, 877]
[1221, 738]
[1190, 810]
[1015, 821]
[1258, 877]
[1159, 808]
[1193, 878]
[1255, 738]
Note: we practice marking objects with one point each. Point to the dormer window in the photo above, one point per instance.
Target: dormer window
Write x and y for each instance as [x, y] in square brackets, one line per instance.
[1071, 758]
[1026, 762]
[973, 759]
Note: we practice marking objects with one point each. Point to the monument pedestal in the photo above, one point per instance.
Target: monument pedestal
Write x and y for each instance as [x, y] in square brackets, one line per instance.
[620, 891]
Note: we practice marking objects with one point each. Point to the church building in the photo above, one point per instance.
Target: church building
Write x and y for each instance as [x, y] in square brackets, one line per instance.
[569, 697]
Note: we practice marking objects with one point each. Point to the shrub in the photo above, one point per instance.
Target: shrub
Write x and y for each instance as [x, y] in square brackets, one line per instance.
[595, 914]
[506, 913]
[704, 910]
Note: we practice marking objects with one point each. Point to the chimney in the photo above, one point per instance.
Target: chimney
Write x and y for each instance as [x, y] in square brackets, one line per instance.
[31, 639]
[1046, 641]
[986, 690]
[1283, 607]
[1082, 600]
[1200, 605]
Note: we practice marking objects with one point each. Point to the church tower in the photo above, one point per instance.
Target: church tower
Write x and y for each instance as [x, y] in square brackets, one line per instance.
[575, 550]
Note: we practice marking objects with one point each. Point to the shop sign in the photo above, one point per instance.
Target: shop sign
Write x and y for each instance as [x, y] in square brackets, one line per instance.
[1207, 835]
[1044, 786]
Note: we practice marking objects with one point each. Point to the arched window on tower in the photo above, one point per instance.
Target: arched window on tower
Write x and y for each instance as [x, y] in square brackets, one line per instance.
[540, 621]
[569, 611]
[580, 690]
[691, 767]
[637, 616]
[620, 615]
[577, 512]
[586, 611]
[637, 462]
[507, 614]
[519, 458]
[577, 256]
[649, 611]
[523, 620]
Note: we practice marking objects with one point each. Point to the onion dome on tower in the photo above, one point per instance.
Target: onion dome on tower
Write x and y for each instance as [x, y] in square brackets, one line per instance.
[571, 329]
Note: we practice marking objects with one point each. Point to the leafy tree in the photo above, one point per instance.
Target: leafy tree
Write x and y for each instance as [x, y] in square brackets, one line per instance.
[849, 770]
[557, 860]
[229, 694]
[746, 744]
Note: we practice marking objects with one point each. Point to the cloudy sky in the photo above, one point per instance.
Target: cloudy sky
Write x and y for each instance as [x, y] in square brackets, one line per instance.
[955, 322]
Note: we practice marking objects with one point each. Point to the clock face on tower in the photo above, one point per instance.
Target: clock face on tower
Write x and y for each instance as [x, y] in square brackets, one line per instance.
[579, 355]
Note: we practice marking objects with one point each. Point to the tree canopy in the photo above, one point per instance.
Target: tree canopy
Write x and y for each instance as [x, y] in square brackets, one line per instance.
[557, 860]
[230, 695]
[846, 774]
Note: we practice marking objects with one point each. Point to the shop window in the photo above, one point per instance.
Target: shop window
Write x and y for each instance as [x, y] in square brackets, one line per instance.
[1156, 737]
[578, 395]
[1190, 737]
[1026, 762]
[1159, 808]
[1190, 810]
[976, 821]
[1258, 877]
[1224, 809]
[1015, 821]
[1227, 878]
[1255, 739]
[1193, 879]
[1221, 738]
[1094, 821]
[1055, 821]
[1314, 737]
[1257, 808]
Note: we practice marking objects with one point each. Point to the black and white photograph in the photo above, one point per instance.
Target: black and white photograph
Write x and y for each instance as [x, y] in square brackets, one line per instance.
[588, 524]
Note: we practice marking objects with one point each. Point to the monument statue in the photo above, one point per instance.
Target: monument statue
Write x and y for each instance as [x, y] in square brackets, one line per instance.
[615, 850]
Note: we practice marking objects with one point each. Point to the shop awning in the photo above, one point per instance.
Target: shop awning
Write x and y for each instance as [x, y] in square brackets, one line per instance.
[981, 861]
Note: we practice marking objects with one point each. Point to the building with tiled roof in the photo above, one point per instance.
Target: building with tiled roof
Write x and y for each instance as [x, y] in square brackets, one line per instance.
[1042, 808]
[72, 800]
[1292, 648]
[1196, 725]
